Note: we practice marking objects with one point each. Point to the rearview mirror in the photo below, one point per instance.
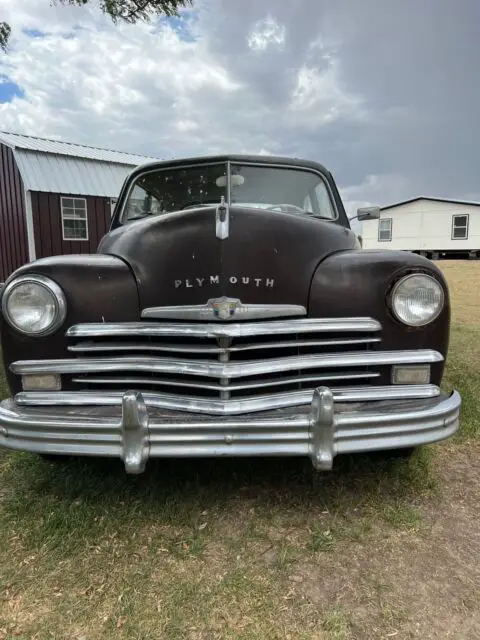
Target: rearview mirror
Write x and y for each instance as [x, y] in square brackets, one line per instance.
[236, 180]
[368, 213]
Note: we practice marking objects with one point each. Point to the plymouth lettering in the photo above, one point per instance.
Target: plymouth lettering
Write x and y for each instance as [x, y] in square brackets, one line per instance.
[259, 283]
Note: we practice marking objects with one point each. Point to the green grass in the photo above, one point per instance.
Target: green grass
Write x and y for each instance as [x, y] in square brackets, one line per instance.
[212, 548]
[87, 547]
[401, 516]
[463, 373]
[336, 624]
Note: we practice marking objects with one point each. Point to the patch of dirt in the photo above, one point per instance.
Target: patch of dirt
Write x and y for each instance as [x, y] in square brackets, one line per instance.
[415, 584]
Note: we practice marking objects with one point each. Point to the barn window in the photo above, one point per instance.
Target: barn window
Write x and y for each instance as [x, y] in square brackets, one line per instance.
[459, 227]
[385, 230]
[74, 219]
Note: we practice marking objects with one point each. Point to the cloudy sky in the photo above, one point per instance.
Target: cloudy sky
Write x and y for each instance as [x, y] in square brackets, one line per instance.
[385, 93]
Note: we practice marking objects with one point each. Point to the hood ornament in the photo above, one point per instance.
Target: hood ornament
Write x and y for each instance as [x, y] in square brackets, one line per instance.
[222, 215]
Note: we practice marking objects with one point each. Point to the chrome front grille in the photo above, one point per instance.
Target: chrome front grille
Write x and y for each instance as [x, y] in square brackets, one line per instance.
[218, 361]
[225, 368]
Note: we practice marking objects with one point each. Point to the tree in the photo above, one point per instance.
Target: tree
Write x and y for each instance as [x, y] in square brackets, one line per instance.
[4, 34]
[119, 10]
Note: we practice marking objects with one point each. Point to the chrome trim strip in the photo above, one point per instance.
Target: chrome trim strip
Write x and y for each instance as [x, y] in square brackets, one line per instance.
[139, 382]
[207, 311]
[236, 369]
[117, 347]
[276, 327]
[225, 407]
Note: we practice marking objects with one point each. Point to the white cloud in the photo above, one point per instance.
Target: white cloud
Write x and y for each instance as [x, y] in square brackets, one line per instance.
[149, 89]
[35, 15]
[266, 33]
[319, 96]
[305, 78]
[132, 87]
[186, 125]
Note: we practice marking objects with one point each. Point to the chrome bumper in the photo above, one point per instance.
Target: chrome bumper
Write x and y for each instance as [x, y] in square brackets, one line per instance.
[135, 431]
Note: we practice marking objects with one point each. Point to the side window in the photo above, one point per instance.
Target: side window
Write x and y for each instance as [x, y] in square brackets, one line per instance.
[74, 218]
[141, 204]
[460, 227]
[385, 230]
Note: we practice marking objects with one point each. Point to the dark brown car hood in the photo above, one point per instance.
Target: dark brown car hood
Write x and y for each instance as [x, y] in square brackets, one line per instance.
[268, 258]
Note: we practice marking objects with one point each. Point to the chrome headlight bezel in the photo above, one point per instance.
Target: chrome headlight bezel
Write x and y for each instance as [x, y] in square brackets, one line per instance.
[53, 289]
[394, 292]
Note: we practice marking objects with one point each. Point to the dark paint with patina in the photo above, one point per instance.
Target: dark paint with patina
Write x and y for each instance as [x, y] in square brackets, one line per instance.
[312, 262]
[175, 255]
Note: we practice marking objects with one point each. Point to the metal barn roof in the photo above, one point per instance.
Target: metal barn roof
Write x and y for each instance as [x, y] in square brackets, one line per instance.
[32, 143]
[67, 168]
[449, 200]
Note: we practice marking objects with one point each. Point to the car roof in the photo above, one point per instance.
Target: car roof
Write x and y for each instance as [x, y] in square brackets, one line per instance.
[237, 158]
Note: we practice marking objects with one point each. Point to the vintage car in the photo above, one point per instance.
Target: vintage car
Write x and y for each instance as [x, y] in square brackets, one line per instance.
[230, 311]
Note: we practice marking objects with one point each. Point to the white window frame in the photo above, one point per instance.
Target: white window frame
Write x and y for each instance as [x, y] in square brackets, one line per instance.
[465, 227]
[69, 217]
[390, 221]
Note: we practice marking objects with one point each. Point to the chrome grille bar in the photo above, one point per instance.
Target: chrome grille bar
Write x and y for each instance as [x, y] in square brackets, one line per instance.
[92, 347]
[131, 382]
[225, 369]
[211, 330]
[226, 407]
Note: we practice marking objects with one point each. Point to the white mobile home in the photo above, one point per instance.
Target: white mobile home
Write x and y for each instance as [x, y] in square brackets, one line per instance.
[434, 227]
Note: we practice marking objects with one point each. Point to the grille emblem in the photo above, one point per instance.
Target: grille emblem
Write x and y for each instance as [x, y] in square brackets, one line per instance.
[224, 308]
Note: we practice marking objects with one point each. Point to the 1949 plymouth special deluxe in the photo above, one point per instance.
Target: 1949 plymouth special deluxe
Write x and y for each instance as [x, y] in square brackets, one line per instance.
[230, 311]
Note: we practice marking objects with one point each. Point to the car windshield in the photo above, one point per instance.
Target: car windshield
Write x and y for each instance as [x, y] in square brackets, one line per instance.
[281, 189]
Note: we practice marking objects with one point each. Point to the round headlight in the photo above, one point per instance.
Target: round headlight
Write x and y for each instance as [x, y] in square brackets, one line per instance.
[34, 305]
[417, 299]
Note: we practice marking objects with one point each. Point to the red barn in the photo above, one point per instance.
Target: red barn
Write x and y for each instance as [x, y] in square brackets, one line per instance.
[55, 197]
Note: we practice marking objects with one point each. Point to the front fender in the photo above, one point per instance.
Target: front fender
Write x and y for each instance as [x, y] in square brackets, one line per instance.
[97, 288]
[358, 283]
